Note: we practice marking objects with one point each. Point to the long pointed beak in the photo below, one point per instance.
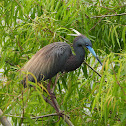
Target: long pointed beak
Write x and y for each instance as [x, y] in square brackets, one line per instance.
[93, 52]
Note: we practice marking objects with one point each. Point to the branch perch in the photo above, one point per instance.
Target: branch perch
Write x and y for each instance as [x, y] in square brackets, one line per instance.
[65, 117]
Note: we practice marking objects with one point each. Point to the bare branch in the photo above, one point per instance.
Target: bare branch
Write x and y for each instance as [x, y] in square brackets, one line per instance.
[104, 16]
[109, 15]
[48, 101]
[65, 117]
[64, 39]
[53, 114]
[36, 117]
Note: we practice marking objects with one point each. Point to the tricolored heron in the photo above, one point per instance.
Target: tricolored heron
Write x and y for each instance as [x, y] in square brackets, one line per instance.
[58, 57]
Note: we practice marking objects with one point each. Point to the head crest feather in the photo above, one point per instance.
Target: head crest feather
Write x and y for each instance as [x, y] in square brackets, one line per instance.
[77, 33]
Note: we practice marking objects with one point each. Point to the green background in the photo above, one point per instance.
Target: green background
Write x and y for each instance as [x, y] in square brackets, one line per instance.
[89, 100]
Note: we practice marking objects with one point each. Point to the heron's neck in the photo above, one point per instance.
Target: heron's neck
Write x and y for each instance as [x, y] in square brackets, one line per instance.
[80, 52]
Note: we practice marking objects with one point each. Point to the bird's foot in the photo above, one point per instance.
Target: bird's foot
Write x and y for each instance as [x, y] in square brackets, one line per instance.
[52, 95]
[61, 113]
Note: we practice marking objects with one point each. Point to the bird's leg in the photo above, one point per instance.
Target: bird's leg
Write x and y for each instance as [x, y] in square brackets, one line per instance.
[48, 86]
[52, 96]
[57, 76]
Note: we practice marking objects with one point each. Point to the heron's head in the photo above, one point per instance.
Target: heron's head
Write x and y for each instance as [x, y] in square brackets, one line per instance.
[82, 40]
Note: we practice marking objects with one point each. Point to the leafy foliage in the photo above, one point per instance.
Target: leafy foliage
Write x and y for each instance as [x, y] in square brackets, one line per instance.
[27, 26]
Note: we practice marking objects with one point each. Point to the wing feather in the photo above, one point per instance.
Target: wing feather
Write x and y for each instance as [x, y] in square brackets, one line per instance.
[48, 61]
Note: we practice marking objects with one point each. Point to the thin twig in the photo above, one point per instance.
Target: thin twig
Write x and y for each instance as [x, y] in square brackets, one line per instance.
[53, 114]
[109, 15]
[4, 120]
[92, 69]
[96, 24]
[64, 39]
[36, 117]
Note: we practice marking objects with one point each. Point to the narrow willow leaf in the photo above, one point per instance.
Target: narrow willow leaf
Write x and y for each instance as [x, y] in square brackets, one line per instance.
[112, 38]
[124, 36]
[102, 100]
[123, 117]
[2, 59]
[107, 64]
[119, 70]
[94, 102]
[52, 3]
[57, 5]
[110, 100]
[117, 38]
[40, 94]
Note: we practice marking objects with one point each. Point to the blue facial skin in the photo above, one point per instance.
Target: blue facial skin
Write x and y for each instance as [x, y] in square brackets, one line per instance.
[93, 52]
